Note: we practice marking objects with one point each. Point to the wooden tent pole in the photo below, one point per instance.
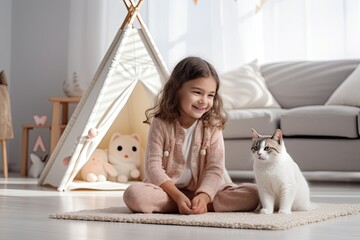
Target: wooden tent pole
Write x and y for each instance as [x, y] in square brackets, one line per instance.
[132, 13]
[130, 5]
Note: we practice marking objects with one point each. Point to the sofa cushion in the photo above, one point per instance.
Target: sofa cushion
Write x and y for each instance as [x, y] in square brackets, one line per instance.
[348, 92]
[295, 84]
[245, 87]
[240, 122]
[322, 121]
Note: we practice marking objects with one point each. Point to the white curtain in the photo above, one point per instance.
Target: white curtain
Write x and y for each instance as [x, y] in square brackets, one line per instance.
[93, 25]
[311, 30]
[223, 32]
[228, 33]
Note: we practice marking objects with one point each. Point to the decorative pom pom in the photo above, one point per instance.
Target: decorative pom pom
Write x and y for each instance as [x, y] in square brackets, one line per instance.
[166, 153]
[66, 160]
[92, 133]
[203, 152]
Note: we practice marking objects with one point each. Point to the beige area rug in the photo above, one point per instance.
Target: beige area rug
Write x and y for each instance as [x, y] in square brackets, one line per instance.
[249, 220]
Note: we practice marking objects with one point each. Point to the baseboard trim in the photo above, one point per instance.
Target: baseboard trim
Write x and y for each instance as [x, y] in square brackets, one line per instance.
[333, 176]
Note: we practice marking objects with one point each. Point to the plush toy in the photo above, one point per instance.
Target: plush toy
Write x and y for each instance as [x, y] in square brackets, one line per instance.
[125, 156]
[37, 165]
[97, 168]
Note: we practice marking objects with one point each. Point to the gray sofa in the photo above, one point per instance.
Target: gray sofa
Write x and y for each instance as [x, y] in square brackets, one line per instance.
[323, 139]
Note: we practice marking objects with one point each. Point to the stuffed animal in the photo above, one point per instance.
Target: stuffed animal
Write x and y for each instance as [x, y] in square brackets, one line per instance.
[37, 165]
[97, 168]
[125, 156]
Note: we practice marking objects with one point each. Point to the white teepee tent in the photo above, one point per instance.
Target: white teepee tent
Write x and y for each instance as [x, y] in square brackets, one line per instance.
[130, 75]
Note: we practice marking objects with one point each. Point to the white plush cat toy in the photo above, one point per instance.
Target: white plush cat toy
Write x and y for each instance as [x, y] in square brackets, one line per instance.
[124, 155]
[281, 185]
[37, 165]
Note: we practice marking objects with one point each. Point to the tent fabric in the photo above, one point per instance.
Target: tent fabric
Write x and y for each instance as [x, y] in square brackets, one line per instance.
[129, 77]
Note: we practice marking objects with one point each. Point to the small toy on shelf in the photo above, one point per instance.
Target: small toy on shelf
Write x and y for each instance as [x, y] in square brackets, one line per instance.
[73, 88]
[37, 165]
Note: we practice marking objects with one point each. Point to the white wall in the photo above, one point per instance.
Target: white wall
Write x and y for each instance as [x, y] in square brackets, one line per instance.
[34, 51]
[39, 48]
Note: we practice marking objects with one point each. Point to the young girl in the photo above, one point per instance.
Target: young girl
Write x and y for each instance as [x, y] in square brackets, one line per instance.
[184, 162]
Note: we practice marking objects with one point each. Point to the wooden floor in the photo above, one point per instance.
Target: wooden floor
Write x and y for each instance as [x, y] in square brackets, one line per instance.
[25, 207]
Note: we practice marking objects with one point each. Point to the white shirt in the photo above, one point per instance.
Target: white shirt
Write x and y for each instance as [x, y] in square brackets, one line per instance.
[186, 176]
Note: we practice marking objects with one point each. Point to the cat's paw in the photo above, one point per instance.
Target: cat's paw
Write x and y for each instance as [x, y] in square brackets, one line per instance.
[284, 211]
[266, 211]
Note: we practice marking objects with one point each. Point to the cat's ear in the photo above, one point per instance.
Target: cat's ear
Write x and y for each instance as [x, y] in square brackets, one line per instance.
[44, 158]
[254, 134]
[34, 158]
[277, 136]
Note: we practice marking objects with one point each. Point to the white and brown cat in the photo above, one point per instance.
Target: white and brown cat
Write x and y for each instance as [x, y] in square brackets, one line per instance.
[281, 185]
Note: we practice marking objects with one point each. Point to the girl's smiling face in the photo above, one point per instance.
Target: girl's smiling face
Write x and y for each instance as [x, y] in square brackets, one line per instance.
[196, 97]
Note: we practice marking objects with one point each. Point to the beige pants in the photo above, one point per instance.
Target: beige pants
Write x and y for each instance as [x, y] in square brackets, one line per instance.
[149, 198]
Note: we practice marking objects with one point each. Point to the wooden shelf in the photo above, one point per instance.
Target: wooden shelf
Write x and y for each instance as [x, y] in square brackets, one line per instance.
[59, 117]
[58, 124]
[24, 144]
[29, 126]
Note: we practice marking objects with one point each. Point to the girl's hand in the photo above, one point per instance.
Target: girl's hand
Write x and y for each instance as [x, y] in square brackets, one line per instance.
[182, 201]
[199, 203]
[184, 205]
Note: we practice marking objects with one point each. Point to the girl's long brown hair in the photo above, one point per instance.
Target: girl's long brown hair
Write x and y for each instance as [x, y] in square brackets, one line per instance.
[167, 103]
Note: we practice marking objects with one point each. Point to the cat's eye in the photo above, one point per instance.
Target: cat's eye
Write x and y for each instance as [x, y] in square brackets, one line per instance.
[134, 148]
[254, 148]
[268, 149]
[119, 148]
